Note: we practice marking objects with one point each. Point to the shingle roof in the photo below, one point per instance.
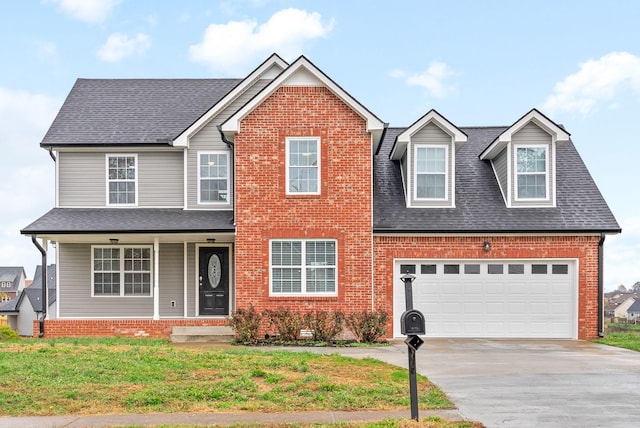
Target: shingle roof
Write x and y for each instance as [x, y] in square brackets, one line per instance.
[132, 111]
[11, 274]
[34, 291]
[139, 220]
[11, 306]
[635, 307]
[480, 207]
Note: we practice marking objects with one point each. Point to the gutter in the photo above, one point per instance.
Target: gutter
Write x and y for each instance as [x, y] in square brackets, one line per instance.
[601, 286]
[45, 301]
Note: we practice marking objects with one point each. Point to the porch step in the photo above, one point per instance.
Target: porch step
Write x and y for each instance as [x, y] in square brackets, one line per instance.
[202, 334]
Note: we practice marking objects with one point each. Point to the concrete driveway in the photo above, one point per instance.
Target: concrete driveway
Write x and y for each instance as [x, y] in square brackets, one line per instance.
[528, 383]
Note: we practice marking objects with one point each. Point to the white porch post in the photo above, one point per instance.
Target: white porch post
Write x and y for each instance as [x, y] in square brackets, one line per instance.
[156, 279]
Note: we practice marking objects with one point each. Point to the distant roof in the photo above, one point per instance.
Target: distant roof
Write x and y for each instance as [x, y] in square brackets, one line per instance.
[480, 207]
[11, 274]
[635, 307]
[138, 111]
[139, 220]
[34, 291]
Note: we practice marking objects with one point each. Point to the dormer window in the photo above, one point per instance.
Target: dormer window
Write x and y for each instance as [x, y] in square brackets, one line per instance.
[532, 172]
[431, 172]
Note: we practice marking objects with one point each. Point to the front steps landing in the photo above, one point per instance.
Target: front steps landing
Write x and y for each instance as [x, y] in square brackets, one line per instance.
[194, 334]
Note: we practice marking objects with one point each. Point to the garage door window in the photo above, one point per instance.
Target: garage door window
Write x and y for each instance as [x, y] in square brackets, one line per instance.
[539, 269]
[472, 269]
[452, 269]
[560, 269]
[516, 269]
[428, 269]
[495, 269]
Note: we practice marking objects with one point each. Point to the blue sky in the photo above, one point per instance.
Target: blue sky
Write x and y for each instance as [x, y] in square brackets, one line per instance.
[477, 63]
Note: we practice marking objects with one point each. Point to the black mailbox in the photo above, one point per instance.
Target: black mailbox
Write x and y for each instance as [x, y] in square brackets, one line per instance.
[412, 322]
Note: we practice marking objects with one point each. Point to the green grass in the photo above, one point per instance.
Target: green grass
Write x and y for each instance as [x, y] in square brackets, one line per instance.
[101, 376]
[621, 335]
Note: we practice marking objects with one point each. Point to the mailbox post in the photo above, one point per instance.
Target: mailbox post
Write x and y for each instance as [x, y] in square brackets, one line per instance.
[412, 324]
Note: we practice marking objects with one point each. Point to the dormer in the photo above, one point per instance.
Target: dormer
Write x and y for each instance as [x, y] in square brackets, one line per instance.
[427, 154]
[523, 158]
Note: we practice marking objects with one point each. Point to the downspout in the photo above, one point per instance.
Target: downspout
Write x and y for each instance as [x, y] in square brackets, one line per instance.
[601, 286]
[45, 301]
[51, 153]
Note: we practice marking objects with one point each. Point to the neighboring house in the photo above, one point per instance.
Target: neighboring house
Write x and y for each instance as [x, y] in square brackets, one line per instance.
[633, 312]
[180, 200]
[23, 310]
[618, 305]
[12, 281]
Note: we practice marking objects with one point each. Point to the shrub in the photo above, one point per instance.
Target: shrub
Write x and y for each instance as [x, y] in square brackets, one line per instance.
[325, 326]
[246, 323]
[286, 322]
[6, 334]
[368, 326]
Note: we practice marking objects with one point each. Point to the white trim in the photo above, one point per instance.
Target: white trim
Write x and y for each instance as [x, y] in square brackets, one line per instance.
[107, 156]
[156, 278]
[228, 179]
[185, 179]
[415, 172]
[516, 147]
[122, 272]
[303, 268]
[57, 180]
[318, 166]
[185, 279]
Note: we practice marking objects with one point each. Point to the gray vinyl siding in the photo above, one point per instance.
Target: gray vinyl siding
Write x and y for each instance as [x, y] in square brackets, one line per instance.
[209, 139]
[532, 134]
[75, 290]
[431, 134]
[500, 164]
[171, 282]
[82, 179]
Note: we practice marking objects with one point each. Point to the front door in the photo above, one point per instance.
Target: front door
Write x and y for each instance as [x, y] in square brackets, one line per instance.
[213, 278]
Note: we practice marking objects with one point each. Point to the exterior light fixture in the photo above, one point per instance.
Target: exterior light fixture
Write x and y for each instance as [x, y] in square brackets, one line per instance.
[486, 246]
[114, 241]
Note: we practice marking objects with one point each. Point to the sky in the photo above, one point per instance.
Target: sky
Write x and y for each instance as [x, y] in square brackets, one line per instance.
[478, 63]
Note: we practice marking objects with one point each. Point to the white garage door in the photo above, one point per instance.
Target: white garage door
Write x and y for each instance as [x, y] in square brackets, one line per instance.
[492, 299]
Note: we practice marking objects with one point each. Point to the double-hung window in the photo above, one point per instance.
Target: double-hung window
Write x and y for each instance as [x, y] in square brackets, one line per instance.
[213, 177]
[303, 166]
[301, 267]
[122, 179]
[431, 172]
[121, 271]
[531, 172]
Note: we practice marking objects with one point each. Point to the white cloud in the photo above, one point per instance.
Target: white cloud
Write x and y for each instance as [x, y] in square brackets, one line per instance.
[622, 255]
[232, 47]
[90, 11]
[434, 80]
[27, 173]
[597, 81]
[119, 46]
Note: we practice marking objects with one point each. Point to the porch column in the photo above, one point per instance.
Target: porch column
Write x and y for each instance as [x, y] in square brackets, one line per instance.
[156, 278]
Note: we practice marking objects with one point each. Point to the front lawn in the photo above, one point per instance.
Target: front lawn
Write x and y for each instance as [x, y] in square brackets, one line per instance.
[106, 376]
[621, 335]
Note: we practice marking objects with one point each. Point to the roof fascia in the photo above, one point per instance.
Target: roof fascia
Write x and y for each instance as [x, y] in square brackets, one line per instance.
[402, 140]
[559, 135]
[182, 140]
[374, 125]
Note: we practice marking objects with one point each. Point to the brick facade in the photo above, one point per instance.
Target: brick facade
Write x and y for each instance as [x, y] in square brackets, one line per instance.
[122, 328]
[342, 211]
[582, 248]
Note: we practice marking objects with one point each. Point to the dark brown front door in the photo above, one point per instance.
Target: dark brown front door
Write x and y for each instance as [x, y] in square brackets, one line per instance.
[213, 277]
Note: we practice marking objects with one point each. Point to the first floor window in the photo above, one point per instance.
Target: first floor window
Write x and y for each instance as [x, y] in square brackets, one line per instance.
[213, 172]
[431, 172]
[121, 271]
[303, 267]
[121, 179]
[531, 171]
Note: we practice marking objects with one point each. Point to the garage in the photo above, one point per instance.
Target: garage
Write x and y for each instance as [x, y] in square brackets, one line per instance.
[491, 298]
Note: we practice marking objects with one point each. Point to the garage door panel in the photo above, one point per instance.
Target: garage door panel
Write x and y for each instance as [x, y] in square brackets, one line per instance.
[518, 304]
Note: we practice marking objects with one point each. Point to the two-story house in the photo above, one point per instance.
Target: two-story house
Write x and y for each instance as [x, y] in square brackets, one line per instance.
[181, 200]
[12, 282]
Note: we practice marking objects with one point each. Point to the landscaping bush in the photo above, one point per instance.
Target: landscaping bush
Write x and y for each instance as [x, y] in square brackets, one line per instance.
[6, 334]
[286, 322]
[368, 326]
[325, 326]
[246, 323]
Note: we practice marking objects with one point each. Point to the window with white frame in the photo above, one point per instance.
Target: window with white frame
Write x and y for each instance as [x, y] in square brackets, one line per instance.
[121, 179]
[121, 271]
[431, 172]
[213, 177]
[303, 267]
[303, 165]
[531, 172]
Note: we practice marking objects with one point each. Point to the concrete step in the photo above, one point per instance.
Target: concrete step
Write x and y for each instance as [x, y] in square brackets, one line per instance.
[202, 334]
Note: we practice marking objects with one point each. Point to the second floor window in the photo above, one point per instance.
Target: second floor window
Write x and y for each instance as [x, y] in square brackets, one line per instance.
[431, 172]
[531, 172]
[303, 166]
[121, 179]
[213, 181]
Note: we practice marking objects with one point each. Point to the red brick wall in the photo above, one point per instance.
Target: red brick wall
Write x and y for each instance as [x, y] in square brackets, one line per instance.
[342, 211]
[583, 248]
[122, 328]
